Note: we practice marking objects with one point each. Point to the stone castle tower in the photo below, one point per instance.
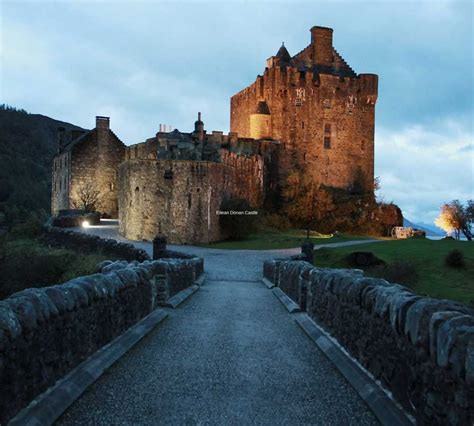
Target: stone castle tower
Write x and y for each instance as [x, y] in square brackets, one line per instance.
[320, 110]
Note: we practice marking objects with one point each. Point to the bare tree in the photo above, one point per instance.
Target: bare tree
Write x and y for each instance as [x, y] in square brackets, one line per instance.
[88, 198]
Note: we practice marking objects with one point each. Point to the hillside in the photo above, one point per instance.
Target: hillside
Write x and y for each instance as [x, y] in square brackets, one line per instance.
[429, 231]
[27, 146]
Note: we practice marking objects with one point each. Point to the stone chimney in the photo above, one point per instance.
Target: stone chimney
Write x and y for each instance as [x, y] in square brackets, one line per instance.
[321, 40]
[102, 122]
[199, 127]
[102, 127]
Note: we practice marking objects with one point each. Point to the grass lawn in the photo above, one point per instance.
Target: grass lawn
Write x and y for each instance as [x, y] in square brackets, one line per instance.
[26, 263]
[435, 279]
[270, 240]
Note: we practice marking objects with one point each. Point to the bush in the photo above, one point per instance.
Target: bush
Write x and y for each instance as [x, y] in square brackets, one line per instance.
[31, 228]
[276, 221]
[27, 263]
[455, 259]
[400, 272]
[237, 226]
[363, 259]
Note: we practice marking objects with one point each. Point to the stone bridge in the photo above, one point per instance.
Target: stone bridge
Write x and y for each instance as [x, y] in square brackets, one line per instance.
[233, 353]
[230, 355]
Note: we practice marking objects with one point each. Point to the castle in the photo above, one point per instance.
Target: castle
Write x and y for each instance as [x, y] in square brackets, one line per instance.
[307, 122]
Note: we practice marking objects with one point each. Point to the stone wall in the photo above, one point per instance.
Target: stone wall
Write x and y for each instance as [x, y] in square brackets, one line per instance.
[86, 243]
[46, 332]
[342, 110]
[179, 199]
[421, 349]
[95, 162]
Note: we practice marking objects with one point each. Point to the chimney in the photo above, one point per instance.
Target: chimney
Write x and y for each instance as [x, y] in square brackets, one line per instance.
[61, 138]
[321, 40]
[102, 122]
[102, 126]
[161, 126]
[199, 127]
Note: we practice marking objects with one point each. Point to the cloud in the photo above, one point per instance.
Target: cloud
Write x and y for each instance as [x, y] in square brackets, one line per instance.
[421, 168]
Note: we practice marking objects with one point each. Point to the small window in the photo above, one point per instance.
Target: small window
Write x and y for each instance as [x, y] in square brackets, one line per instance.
[327, 142]
[327, 103]
[111, 186]
[327, 128]
[189, 201]
[168, 174]
[302, 124]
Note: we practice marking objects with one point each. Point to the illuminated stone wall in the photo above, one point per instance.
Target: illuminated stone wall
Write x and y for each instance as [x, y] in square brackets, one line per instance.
[326, 100]
[179, 199]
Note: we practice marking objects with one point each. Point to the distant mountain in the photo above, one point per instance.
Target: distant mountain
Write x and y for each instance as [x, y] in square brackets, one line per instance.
[428, 229]
[27, 145]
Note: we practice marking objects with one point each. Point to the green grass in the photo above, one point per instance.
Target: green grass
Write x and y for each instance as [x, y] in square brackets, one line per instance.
[271, 240]
[26, 263]
[435, 279]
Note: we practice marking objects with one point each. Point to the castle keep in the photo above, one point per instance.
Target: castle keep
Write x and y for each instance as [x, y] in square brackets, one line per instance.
[318, 107]
[306, 123]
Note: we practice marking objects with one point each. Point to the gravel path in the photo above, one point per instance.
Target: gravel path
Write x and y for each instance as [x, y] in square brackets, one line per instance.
[219, 264]
[230, 355]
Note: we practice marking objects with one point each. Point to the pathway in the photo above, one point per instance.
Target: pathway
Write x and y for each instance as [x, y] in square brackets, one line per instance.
[230, 355]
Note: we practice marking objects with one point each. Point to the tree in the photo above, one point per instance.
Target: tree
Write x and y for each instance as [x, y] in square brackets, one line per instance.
[454, 217]
[87, 198]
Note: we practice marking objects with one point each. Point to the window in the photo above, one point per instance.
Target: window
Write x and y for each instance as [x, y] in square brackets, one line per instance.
[327, 103]
[111, 186]
[300, 96]
[327, 135]
[168, 174]
[302, 124]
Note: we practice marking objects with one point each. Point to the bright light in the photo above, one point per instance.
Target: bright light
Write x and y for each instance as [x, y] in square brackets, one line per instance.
[85, 224]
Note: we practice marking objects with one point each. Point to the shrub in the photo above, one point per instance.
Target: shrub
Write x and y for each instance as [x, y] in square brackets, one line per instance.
[399, 271]
[237, 226]
[31, 228]
[276, 221]
[455, 259]
[363, 259]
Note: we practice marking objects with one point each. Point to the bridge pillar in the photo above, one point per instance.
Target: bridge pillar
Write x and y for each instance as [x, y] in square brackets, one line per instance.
[159, 246]
[307, 249]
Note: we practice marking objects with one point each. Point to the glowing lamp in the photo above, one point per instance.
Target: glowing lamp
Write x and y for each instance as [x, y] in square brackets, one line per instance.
[85, 224]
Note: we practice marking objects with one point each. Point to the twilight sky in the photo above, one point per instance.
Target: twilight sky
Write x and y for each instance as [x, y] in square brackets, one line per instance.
[148, 62]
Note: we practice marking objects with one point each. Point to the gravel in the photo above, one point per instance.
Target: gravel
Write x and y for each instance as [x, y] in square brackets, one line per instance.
[230, 355]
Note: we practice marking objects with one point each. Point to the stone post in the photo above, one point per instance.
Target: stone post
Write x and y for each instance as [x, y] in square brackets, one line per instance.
[307, 249]
[159, 246]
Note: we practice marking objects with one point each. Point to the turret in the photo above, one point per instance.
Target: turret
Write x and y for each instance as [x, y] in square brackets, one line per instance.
[282, 58]
[260, 122]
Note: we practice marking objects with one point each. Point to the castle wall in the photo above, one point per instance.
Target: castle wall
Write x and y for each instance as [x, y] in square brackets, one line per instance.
[60, 182]
[179, 199]
[305, 109]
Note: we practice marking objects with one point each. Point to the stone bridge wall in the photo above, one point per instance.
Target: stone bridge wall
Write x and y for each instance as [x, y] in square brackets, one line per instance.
[86, 243]
[46, 332]
[421, 349]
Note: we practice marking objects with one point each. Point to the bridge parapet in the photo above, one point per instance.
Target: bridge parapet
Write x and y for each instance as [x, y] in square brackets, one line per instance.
[420, 349]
